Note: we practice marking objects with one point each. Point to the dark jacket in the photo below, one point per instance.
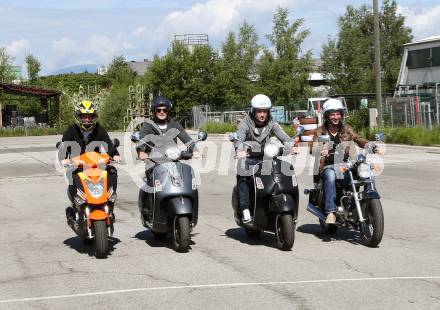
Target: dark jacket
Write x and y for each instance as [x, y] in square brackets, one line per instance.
[346, 134]
[98, 138]
[151, 128]
[247, 132]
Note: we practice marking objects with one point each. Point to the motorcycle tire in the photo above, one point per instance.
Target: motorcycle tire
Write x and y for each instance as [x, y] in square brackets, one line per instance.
[375, 222]
[285, 231]
[181, 234]
[101, 239]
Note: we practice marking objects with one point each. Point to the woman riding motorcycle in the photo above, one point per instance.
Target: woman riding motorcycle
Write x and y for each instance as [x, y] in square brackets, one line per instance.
[340, 135]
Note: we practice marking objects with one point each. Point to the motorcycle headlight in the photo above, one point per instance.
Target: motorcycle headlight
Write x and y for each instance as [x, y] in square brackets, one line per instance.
[95, 189]
[364, 171]
[172, 153]
[271, 150]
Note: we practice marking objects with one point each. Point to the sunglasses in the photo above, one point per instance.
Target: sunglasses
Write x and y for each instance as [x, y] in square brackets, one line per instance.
[164, 110]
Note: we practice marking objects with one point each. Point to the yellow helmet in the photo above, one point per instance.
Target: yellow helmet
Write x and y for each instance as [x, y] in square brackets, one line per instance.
[86, 115]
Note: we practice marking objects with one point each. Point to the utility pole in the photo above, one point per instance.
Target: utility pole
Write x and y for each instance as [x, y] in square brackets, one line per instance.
[377, 67]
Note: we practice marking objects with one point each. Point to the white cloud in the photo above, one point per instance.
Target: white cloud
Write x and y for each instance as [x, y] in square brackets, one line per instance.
[216, 17]
[18, 48]
[64, 45]
[423, 21]
[139, 30]
[98, 49]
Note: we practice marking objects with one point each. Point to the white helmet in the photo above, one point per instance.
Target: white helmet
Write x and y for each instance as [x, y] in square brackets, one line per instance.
[333, 105]
[260, 101]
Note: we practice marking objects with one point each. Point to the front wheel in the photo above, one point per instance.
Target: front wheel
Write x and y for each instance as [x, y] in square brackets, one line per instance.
[182, 236]
[285, 231]
[101, 239]
[374, 221]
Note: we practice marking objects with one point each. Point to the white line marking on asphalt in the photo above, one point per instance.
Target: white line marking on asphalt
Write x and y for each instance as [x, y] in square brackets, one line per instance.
[220, 285]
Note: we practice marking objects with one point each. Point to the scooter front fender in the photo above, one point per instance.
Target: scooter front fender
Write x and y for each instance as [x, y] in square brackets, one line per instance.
[283, 203]
[98, 215]
[179, 206]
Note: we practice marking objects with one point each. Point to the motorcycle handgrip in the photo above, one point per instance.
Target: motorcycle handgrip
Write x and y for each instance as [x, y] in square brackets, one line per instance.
[185, 155]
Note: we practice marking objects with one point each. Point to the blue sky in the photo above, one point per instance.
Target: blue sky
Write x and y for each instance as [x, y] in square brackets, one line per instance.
[66, 33]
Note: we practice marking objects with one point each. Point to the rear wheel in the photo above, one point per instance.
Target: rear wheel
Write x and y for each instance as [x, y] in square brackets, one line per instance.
[101, 239]
[329, 229]
[182, 236]
[374, 223]
[285, 231]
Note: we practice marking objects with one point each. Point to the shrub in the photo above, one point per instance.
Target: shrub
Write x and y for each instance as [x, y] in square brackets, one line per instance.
[218, 127]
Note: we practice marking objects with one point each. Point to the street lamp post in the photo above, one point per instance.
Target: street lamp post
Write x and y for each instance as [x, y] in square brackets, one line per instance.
[377, 67]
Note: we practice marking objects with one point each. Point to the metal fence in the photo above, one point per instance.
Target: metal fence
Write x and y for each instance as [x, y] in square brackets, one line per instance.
[411, 111]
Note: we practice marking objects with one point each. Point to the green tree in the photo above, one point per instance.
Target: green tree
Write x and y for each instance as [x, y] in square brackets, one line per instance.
[117, 102]
[348, 59]
[33, 67]
[284, 69]
[238, 69]
[6, 73]
[115, 107]
[185, 77]
[119, 71]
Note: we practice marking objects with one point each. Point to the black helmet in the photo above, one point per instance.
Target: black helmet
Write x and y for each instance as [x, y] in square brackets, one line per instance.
[160, 101]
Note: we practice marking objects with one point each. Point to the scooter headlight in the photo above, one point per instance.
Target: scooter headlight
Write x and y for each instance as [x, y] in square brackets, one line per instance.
[271, 150]
[364, 171]
[172, 153]
[95, 189]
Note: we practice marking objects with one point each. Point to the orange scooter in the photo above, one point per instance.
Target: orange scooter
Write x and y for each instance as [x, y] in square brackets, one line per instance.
[94, 201]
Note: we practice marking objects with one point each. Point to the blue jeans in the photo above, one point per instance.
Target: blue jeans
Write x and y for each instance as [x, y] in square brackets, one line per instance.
[328, 176]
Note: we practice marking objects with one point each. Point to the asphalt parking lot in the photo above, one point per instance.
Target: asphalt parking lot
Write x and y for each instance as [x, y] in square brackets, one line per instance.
[43, 265]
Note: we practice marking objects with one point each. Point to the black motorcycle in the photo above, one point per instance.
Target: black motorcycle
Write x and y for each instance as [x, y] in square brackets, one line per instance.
[358, 201]
[168, 201]
[274, 196]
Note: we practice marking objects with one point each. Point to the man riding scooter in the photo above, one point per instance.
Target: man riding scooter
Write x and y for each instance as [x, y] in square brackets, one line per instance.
[256, 128]
[168, 200]
[87, 135]
[160, 124]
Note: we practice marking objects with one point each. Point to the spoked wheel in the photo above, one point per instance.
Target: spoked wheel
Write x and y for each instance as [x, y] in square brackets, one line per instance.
[252, 233]
[181, 231]
[285, 231]
[101, 239]
[374, 221]
[329, 229]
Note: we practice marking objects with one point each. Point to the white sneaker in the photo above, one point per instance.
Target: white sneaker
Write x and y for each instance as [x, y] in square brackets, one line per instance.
[246, 216]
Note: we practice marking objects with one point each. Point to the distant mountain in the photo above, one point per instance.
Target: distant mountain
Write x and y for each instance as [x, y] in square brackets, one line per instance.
[90, 68]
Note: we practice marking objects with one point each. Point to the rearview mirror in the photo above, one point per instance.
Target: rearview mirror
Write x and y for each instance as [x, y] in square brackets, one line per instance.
[58, 144]
[299, 130]
[136, 137]
[202, 136]
[380, 136]
[233, 136]
[324, 138]
[116, 142]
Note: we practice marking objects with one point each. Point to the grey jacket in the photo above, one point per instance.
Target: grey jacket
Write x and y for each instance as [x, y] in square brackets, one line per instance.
[248, 132]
